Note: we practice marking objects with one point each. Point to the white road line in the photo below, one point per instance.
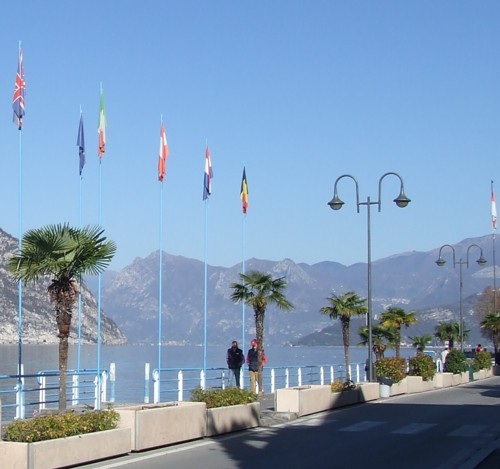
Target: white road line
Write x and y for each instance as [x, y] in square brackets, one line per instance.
[469, 430]
[414, 428]
[362, 426]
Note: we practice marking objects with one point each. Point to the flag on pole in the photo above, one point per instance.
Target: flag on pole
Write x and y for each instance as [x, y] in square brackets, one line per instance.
[162, 154]
[101, 130]
[207, 179]
[244, 191]
[493, 208]
[19, 92]
[80, 143]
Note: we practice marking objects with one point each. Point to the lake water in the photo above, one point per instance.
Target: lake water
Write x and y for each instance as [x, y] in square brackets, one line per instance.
[130, 361]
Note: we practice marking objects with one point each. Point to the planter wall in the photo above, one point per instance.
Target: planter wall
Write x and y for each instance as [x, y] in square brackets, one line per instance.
[368, 392]
[163, 424]
[303, 400]
[443, 380]
[232, 418]
[414, 384]
[69, 451]
[342, 399]
[399, 388]
[428, 385]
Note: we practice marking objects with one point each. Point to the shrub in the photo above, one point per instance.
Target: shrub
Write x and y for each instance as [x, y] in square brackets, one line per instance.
[422, 365]
[340, 385]
[50, 427]
[223, 397]
[456, 362]
[482, 360]
[391, 368]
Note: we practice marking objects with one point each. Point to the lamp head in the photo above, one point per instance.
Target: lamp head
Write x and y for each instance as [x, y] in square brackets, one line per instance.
[401, 200]
[481, 260]
[440, 262]
[336, 203]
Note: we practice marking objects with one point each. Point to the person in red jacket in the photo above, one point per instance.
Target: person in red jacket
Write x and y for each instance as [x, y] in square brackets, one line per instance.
[253, 365]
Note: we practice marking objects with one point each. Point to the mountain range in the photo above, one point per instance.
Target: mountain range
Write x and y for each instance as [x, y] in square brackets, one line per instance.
[130, 298]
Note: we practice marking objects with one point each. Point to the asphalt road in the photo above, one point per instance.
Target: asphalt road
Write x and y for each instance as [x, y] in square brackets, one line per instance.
[448, 428]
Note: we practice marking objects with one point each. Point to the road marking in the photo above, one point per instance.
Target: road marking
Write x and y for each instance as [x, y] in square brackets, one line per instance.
[362, 426]
[468, 430]
[414, 428]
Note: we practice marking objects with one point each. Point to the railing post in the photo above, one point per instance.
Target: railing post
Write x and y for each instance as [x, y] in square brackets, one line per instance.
[180, 386]
[74, 390]
[104, 385]
[299, 376]
[332, 373]
[273, 380]
[96, 392]
[112, 381]
[146, 383]
[42, 380]
[156, 386]
[322, 375]
[202, 380]
[357, 373]
[287, 378]
[223, 379]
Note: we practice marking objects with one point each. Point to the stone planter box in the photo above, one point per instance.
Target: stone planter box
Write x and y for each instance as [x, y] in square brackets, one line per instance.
[61, 452]
[414, 384]
[303, 400]
[153, 425]
[342, 399]
[232, 418]
[369, 392]
[443, 380]
[428, 385]
[400, 388]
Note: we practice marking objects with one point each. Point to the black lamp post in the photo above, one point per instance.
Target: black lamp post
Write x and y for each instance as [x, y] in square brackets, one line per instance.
[441, 262]
[336, 204]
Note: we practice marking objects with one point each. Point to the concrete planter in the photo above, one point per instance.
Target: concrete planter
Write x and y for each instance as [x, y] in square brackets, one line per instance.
[465, 377]
[62, 452]
[400, 388]
[415, 384]
[345, 398]
[232, 418]
[428, 385]
[368, 392]
[456, 379]
[303, 400]
[155, 425]
[443, 380]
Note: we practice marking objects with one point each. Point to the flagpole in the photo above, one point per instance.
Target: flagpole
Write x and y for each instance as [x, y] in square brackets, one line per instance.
[18, 107]
[99, 277]
[205, 297]
[494, 226]
[20, 283]
[80, 226]
[160, 273]
[243, 249]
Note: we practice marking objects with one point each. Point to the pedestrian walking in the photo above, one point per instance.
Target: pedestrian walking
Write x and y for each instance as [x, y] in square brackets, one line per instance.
[444, 354]
[235, 360]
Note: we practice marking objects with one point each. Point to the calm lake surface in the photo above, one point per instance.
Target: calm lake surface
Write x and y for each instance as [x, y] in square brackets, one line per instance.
[130, 360]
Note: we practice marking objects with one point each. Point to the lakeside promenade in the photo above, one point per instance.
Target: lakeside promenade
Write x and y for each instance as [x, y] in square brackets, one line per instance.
[445, 428]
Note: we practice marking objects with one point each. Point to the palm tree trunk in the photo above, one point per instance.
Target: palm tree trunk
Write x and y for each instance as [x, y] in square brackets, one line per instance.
[397, 345]
[63, 367]
[259, 331]
[345, 339]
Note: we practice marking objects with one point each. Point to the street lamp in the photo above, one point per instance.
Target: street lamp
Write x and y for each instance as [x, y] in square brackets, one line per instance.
[336, 204]
[440, 262]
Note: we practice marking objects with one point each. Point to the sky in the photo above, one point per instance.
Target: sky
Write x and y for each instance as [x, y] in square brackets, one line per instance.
[298, 92]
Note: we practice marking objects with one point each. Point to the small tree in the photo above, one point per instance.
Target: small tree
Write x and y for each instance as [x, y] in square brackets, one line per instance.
[397, 318]
[344, 307]
[259, 289]
[449, 332]
[382, 337]
[421, 341]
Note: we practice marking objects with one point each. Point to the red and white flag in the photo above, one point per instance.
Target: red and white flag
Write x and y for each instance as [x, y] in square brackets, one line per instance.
[162, 154]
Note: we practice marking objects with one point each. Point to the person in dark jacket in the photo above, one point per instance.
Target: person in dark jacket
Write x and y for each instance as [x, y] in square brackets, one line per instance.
[253, 364]
[235, 360]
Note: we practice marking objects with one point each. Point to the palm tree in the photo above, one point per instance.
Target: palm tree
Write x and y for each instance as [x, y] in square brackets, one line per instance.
[449, 332]
[397, 317]
[491, 323]
[381, 338]
[344, 307]
[65, 254]
[259, 289]
[421, 341]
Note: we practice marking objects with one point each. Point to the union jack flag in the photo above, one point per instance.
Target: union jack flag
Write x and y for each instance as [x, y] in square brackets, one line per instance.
[19, 92]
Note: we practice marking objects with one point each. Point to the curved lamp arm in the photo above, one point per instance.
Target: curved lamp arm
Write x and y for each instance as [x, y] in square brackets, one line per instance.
[440, 261]
[481, 260]
[336, 203]
[401, 200]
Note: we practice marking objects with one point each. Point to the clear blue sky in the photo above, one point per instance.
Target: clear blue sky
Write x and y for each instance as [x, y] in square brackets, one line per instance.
[300, 92]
